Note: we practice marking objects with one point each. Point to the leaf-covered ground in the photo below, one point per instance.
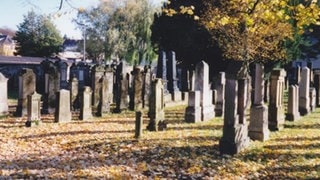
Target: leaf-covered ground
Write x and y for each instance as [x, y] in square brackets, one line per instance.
[105, 148]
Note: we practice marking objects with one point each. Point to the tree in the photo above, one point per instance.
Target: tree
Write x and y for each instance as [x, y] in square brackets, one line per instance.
[253, 30]
[37, 36]
[119, 29]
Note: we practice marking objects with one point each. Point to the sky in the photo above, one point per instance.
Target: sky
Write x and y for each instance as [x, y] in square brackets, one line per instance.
[12, 12]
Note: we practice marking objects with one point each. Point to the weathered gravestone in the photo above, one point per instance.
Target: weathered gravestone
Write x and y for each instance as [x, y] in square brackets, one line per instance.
[81, 72]
[219, 86]
[162, 69]
[63, 73]
[193, 111]
[312, 96]
[202, 85]
[139, 124]
[293, 103]
[235, 128]
[85, 108]
[156, 107]
[276, 106]
[122, 87]
[172, 76]
[4, 95]
[34, 114]
[258, 127]
[63, 111]
[146, 89]
[136, 103]
[316, 79]
[304, 90]
[52, 86]
[74, 96]
[107, 92]
[27, 86]
[97, 75]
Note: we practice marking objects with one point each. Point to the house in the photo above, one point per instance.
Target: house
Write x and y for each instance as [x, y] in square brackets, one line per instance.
[71, 50]
[7, 45]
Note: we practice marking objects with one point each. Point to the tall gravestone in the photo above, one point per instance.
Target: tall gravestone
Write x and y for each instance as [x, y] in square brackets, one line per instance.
[4, 108]
[276, 106]
[184, 81]
[97, 79]
[235, 128]
[137, 88]
[27, 86]
[52, 86]
[316, 79]
[304, 90]
[172, 76]
[162, 69]
[74, 96]
[122, 87]
[202, 85]
[312, 96]
[63, 71]
[156, 109]
[107, 91]
[219, 86]
[258, 128]
[293, 103]
[34, 114]
[85, 108]
[193, 111]
[63, 111]
[146, 89]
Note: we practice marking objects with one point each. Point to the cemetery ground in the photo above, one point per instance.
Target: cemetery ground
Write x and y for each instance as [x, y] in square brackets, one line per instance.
[105, 148]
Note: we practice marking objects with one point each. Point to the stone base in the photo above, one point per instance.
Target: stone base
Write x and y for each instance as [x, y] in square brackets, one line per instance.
[207, 112]
[304, 106]
[258, 127]
[63, 118]
[219, 111]
[234, 139]
[304, 111]
[193, 114]
[167, 98]
[84, 115]
[156, 125]
[292, 117]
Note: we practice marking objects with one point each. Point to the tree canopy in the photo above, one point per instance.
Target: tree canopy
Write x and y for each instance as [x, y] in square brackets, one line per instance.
[119, 29]
[250, 30]
[37, 36]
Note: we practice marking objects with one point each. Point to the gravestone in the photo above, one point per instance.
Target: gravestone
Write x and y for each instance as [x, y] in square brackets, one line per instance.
[185, 83]
[4, 108]
[27, 86]
[63, 111]
[63, 71]
[316, 78]
[193, 111]
[258, 127]
[107, 91]
[266, 93]
[276, 106]
[219, 86]
[172, 77]
[298, 75]
[312, 96]
[122, 87]
[85, 108]
[52, 86]
[139, 124]
[156, 107]
[74, 90]
[235, 128]
[202, 85]
[293, 103]
[162, 69]
[146, 89]
[97, 74]
[304, 90]
[137, 88]
[34, 114]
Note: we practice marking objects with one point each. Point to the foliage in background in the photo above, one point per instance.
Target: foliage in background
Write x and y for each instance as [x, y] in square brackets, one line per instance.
[120, 30]
[251, 30]
[37, 36]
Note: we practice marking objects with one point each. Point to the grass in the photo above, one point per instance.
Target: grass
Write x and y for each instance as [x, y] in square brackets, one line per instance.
[105, 148]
